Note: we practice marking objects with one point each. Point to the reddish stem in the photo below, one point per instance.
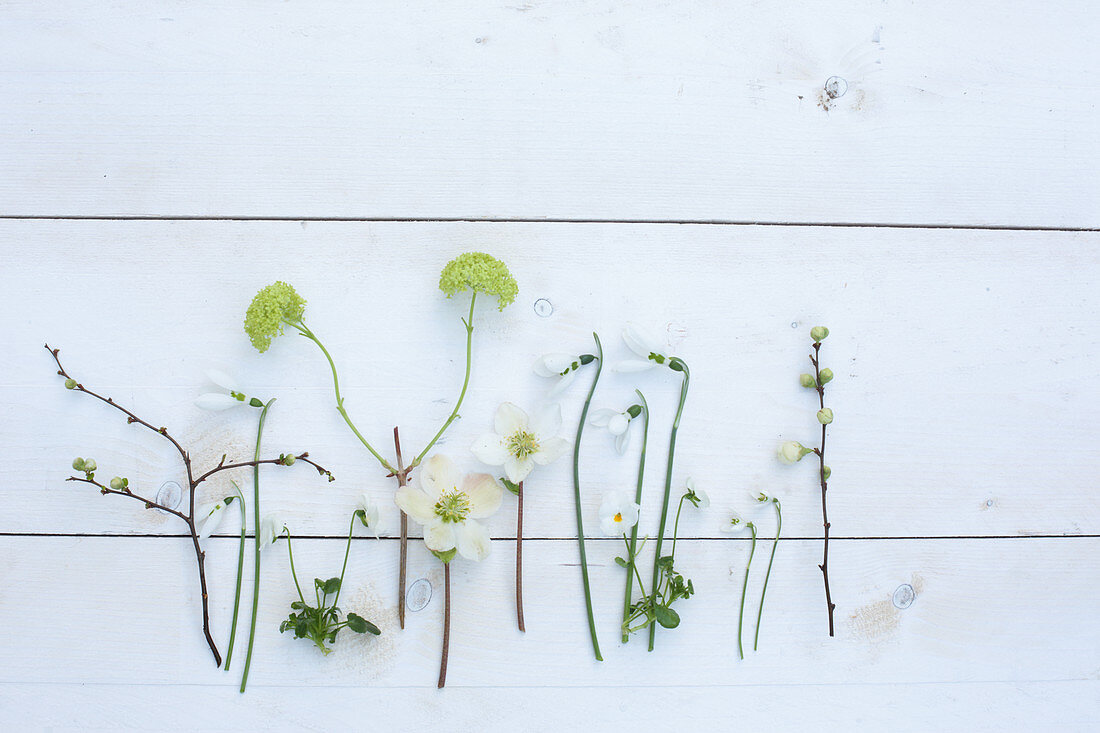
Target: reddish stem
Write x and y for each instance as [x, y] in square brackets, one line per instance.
[446, 624]
[519, 560]
[824, 566]
[402, 477]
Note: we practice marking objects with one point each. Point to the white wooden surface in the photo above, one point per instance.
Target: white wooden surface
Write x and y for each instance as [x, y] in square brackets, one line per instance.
[964, 450]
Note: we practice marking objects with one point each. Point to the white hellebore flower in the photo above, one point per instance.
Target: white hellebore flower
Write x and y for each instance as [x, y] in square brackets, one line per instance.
[447, 505]
[271, 528]
[617, 423]
[520, 443]
[618, 513]
[370, 513]
[560, 365]
[231, 397]
[650, 350]
[702, 500]
[209, 517]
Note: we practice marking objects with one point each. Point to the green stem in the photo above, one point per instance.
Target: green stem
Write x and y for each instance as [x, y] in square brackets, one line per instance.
[469, 323]
[668, 481]
[304, 330]
[347, 550]
[577, 499]
[775, 543]
[744, 589]
[632, 570]
[676, 525]
[293, 572]
[256, 543]
[240, 572]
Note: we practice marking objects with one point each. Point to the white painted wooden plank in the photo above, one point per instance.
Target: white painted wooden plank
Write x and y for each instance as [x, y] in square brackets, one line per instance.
[989, 610]
[981, 114]
[965, 393]
[953, 706]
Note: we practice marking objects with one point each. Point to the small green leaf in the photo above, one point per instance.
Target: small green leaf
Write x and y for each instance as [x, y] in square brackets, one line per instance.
[331, 586]
[446, 557]
[360, 625]
[255, 402]
[620, 562]
[514, 488]
[667, 617]
[298, 605]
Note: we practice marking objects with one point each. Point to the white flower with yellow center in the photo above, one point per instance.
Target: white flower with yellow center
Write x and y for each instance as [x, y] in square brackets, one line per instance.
[520, 443]
[618, 513]
[448, 504]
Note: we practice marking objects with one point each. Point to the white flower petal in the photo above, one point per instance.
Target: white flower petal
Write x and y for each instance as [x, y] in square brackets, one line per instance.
[209, 517]
[223, 380]
[440, 536]
[550, 450]
[562, 384]
[735, 524]
[217, 401]
[509, 419]
[546, 422]
[438, 475]
[704, 499]
[618, 424]
[632, 365]
[622, 440]
[552, 365]
[490, 450]
[517, 469]
[641, 342]
[618, 513]
[472, 540]
[271, 526]
[485, 494]
[416, 504]
[601, 417]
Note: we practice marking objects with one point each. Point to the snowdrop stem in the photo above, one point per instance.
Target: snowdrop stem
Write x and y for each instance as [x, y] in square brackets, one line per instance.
[744, 589]
[682, 367]
[347, 551]
[446, 624]
[519, 558]
[256, 544]
[293, 572]
[240, 573]
[577, 498]
[676, 525]
[824, 566]
[304, 330]
[632, 569]
[469, 323]
[767, 575]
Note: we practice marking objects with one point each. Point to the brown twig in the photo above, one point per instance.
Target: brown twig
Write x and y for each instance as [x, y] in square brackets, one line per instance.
[824, 566]
[192, 482]
[402, 475]
[519, 559]
[446, 624]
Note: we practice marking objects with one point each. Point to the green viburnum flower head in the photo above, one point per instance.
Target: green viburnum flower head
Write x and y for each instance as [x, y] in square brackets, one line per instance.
[481, 273]
[270, 309]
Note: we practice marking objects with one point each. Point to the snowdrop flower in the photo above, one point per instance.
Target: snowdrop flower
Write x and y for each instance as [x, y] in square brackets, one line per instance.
[617, 423]
[271, 528]
[368, 512]
[695, 495]
[210, 516]
[760, 497]
[736, 524]
[563, 366]
[618, 513]
[650, 350]
[792, 452]
[232, 396]
[447, 505]
[520, 443]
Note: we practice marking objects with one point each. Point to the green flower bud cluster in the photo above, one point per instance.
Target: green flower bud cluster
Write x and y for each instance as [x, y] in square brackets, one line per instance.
[272, 308]
[287, 459]
[481, 273]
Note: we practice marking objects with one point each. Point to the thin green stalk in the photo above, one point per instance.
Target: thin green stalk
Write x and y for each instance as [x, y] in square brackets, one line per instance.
[677, 362]
[744, 589]
[676, 525]
[632, 546]
[577, 498]
[775, 543]
[293, 572]
[469, 323]
[347, 550]
[304, 330]
[256, 543]
[240, 572]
